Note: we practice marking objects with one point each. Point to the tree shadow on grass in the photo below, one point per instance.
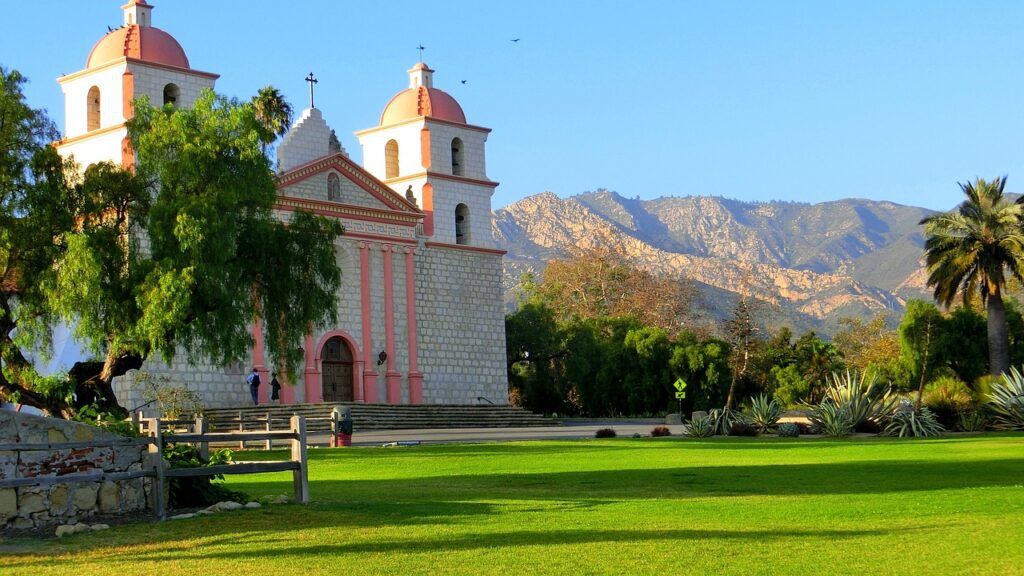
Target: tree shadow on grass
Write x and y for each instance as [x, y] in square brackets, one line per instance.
[519, 539]
[453, 499]
[279, 545]
[694, 481]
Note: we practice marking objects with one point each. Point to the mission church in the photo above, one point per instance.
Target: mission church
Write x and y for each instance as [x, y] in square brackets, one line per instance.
[420, 313]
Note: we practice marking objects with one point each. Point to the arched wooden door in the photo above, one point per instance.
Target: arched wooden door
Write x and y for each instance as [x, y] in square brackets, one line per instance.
[336, 371]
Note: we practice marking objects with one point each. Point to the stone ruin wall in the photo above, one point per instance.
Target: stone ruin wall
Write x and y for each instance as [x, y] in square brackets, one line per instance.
[32, 507]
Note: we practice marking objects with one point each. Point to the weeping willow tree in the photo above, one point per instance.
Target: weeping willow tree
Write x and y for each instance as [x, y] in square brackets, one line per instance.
[180, 256]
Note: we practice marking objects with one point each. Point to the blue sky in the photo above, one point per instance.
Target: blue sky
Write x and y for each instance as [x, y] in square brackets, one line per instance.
[756, 100]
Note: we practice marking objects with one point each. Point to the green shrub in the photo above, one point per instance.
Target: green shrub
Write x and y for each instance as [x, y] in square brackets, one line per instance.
[605, 433]
[700, 427]
[1006, 402]
[764, 413]
[788, 430]
[659, 431]
[831, 420]
[190, 492]
[863, 400]
[947, 398]
[790, 386]
[908, 423]
[111, 421]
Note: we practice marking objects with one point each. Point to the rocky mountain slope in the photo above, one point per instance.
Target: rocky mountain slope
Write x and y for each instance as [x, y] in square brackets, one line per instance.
[810, 263]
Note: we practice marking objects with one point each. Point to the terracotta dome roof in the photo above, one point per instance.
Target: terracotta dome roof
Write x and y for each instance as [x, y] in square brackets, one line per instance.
[140, 42]
[422, 102]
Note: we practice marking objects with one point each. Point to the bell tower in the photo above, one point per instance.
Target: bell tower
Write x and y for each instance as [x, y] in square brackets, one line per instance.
[134, 60]
[423, 147]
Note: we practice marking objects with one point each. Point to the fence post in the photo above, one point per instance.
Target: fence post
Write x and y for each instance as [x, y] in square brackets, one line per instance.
[335, 426]
[270, 443]
[300, 476]
[159, 482]
[201, 428]
[241, 428]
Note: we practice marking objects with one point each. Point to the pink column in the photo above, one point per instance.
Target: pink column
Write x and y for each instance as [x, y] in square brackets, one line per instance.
[310, 373]
[415, 376]
[369, 374]
[258, 361]
[287, 390]
[393, 377]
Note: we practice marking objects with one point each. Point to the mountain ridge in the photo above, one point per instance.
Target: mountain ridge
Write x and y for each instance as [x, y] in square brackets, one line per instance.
[849, 257]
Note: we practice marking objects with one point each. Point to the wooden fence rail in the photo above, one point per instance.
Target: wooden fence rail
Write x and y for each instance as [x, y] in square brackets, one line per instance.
[160, 472]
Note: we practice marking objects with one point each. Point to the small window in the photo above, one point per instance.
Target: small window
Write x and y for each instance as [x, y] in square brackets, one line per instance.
[93, 115]
[333, 187]
[171, 93]
[457, 157]
[462, 224]
[391, 159]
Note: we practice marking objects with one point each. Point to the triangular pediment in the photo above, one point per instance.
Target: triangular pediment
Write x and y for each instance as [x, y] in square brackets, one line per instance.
[354, 186]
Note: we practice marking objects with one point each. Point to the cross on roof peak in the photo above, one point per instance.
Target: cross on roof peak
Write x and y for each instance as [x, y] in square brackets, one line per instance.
[312, 80]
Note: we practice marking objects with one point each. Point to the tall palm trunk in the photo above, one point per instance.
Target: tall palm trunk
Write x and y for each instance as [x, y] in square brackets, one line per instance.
[998, 339]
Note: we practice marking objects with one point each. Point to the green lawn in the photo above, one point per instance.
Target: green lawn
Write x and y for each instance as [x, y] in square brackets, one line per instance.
[651, 506]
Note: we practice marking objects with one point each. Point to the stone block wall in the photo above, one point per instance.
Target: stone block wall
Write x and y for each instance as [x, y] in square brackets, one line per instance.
[39, 507]
[461, 324]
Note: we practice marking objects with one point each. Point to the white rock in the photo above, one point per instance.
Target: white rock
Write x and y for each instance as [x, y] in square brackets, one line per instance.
[100, 527]
[182, 516]
[68, 529]
[225, 506]
[253, 504]
[282, 499]
[204, 513]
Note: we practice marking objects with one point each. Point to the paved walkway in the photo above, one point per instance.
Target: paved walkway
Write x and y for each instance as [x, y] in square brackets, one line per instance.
[451, 435]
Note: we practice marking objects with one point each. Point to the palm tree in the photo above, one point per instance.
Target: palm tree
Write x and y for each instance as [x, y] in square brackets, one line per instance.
[977, 249]
[273, 112]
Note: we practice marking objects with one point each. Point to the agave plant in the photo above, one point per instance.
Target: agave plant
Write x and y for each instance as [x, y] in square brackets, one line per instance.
[1006, 402]
[866, 402]
[723, 420]
[831, 420]
[908, 423]
[764, 413]
[788, 430]
[701, 427]
[972, 421]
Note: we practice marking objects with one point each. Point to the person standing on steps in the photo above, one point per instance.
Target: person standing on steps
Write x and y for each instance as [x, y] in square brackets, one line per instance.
[275, 389]
[254, 386]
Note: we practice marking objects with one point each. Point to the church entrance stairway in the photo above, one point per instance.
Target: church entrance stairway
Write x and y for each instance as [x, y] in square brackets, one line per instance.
[379, 416]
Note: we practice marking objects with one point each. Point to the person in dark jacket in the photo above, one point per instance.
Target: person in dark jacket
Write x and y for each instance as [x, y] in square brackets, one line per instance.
[254, 386]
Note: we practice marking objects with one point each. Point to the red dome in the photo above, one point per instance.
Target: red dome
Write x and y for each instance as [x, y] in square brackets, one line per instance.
[140, 42]
[422, 102]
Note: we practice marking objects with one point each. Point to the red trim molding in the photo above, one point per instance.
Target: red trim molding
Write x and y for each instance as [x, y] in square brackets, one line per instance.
[90, 134]
[351, 211]
[424, 120]
[378, 238]
[466, 248]
[440, 176]
[354, 173]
